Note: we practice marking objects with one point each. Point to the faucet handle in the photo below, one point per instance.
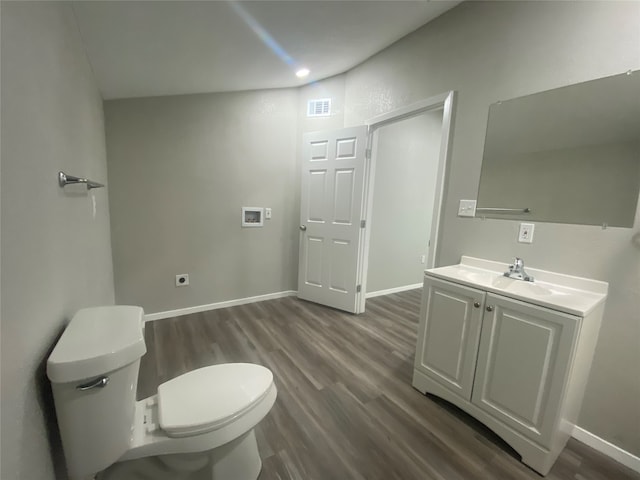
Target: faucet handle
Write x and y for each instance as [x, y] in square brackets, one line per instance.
[516, 270]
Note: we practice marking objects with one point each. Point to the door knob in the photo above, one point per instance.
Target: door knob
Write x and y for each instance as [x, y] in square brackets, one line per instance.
[476, 304]
[303, 227]
[489, 308]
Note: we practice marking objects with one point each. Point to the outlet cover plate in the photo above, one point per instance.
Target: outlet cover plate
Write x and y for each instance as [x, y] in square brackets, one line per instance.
[467, 208]
[182, 280]
[525, 234]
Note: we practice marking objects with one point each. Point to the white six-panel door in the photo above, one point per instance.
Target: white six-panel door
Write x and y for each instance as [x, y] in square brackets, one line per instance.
[333, 166]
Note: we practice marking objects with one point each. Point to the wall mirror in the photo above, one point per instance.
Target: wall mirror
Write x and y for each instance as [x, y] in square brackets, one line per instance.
[568, 155]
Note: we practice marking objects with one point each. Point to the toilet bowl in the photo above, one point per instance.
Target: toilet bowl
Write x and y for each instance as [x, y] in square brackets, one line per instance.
[199, 426]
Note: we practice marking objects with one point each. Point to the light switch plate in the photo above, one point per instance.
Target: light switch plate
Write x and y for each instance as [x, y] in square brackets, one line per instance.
[467, 208]
[525, 235]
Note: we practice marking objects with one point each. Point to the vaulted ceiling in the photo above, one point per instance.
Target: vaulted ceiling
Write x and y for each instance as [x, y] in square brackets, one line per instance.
[149, 48]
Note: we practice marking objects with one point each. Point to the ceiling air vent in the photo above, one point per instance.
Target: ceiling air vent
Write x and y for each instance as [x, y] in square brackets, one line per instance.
[319, 108]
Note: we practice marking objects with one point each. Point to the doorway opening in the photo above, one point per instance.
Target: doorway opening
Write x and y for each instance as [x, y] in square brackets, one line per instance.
[386, 177]
[406, 178]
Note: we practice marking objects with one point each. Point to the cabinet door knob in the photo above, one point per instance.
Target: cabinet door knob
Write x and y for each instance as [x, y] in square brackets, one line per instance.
[476, 304]
[489, 308]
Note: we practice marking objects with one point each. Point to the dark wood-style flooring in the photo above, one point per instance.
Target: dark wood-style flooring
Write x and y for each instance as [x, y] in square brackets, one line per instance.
[345, 407]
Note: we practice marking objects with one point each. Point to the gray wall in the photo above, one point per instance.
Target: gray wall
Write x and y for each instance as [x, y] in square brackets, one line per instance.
[180, 169]
[406, 166]
[56, 255]
[500, 50]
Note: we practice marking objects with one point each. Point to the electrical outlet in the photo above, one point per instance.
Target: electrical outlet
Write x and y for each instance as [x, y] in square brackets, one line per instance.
[182, 280]
[267, 213]
[525, 235]
[423, 259]
[467, 208]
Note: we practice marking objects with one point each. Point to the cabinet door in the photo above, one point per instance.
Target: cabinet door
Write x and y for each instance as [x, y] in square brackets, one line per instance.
[448, 334]
[523, 364]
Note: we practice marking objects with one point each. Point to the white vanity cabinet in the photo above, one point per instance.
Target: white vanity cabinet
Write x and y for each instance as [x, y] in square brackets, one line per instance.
[514, 356]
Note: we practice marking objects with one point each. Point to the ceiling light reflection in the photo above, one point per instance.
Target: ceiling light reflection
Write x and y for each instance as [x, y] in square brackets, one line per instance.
[303, 72]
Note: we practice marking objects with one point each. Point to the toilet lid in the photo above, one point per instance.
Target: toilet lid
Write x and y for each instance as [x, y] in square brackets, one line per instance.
[210, 397]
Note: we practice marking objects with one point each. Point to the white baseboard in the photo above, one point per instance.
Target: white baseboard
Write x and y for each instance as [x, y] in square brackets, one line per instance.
[393, 290]
[213, 306]
[609, 449]
[260, 298]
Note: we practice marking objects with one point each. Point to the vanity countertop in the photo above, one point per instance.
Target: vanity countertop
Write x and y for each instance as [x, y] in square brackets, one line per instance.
[566, 293]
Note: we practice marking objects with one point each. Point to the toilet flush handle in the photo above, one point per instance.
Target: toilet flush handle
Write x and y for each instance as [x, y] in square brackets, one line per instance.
[99, 382]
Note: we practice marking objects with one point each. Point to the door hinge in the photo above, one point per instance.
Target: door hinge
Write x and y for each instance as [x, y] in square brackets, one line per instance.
[358, 288]
[367, 154]
[363, 223]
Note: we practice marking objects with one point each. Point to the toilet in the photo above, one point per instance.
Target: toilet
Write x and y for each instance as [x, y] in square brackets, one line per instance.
[199, 426]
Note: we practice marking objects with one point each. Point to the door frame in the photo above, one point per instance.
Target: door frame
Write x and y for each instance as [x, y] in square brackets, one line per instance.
[444, 101]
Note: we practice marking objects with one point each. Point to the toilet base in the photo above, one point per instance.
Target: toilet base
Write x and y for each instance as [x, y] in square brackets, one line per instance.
[236, 460]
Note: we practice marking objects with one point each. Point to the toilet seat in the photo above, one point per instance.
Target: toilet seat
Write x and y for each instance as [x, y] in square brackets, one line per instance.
[209, 398]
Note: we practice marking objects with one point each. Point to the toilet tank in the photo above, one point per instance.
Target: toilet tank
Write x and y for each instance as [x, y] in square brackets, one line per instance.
[93, 370]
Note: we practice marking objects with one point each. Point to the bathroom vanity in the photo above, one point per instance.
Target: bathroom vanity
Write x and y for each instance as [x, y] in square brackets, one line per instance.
[514, 354]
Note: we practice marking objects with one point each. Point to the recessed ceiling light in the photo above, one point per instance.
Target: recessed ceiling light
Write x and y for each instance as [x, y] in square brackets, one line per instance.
[303, 72]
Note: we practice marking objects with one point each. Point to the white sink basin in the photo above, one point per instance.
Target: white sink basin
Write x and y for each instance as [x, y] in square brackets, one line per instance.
[477, 276]
[519, 286]
[566, 293]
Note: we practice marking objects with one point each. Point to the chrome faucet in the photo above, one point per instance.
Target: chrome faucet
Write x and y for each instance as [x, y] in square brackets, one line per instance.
[516, 270]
